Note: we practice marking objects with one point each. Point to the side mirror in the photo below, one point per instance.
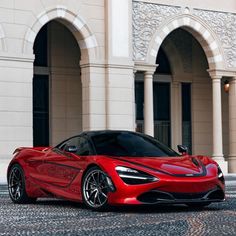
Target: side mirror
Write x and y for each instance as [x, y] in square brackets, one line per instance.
[182, 149]
[72, 149]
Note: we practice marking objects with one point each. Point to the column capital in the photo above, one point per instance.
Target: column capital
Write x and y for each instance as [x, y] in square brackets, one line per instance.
[146, 68]
[214, 74]
[219, 73]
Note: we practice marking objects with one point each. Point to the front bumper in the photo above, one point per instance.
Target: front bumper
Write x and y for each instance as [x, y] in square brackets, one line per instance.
[161, 197]
[169, 191]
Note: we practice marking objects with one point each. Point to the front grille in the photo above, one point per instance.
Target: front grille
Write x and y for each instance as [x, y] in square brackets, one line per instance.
[188, 195]
[156, 196]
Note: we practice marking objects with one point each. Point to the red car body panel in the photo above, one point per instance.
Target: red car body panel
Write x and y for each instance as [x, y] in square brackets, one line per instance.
[51, 172]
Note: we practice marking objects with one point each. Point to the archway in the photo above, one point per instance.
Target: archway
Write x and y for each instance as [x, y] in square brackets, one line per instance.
[202, 33]
[57, 89]
[182, 93]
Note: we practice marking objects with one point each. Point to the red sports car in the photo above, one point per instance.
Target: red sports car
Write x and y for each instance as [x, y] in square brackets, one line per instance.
[102, 168]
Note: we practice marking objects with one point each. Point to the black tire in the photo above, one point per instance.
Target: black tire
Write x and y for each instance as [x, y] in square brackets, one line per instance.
[16, 186]
[95, 189]
[198, 205]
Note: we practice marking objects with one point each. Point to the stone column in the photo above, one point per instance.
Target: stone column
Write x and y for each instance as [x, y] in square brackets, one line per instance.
[232, 126]
[217, 119]
[176, 111]
[217, 123]
[148, 103]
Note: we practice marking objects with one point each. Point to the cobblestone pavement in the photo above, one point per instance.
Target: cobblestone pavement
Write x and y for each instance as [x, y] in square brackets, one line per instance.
[56, 217]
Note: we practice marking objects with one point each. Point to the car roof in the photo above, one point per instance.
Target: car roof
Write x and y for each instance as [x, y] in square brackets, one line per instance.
[99, 132]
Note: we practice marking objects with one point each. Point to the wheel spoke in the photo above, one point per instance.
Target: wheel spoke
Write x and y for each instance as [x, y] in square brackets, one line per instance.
[99, 200]
[94, 179]
[91, 195]
[98, 178]
[103, 194]
[15, 178]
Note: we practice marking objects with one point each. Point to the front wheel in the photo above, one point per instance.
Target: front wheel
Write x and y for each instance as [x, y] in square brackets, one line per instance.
[95, 189]
[16, 186]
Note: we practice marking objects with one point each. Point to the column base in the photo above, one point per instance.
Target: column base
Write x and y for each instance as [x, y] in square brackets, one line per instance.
[232, 164]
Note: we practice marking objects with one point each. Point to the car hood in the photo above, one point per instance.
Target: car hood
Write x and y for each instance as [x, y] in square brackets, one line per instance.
[177, 166]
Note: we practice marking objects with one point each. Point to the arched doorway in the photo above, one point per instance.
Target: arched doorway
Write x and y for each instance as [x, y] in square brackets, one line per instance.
[182, 94]
[57, 89]
[191, 96]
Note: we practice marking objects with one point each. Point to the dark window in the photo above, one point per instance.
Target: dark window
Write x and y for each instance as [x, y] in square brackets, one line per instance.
[161, 101]
[73, 142]
[84, 147]
[81, 143]
[40, 110]
[130, 144]
[139, 99]
[162, 128]
[40, 48]
[186, 116]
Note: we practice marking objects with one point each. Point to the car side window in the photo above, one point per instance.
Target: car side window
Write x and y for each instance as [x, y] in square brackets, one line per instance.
[71, 142]
[84, 147]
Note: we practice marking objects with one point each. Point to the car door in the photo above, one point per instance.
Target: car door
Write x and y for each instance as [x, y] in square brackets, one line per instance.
[60, 167]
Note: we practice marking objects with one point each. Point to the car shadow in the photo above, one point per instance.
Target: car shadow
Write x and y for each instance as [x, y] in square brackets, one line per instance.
[142, 209]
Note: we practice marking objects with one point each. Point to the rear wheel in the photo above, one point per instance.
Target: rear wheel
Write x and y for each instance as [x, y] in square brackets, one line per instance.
[95, 189]
[16, 186]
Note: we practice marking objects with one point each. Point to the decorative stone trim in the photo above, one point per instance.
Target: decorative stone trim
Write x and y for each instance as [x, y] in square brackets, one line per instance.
[223, 24]
[147, 17]
[152, 23]
[75, 22]
[206, 38]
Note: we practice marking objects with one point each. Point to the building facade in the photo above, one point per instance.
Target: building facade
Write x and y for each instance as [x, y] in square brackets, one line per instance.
[154, 66]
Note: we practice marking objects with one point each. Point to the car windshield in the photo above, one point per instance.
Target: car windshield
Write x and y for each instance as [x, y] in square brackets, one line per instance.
[130, 145]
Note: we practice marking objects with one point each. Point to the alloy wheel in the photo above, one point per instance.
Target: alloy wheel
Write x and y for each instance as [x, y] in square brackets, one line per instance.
[95, 188]
[15, 184]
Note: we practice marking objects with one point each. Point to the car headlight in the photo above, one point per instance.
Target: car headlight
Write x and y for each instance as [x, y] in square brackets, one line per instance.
[132, 176]
[220, 175]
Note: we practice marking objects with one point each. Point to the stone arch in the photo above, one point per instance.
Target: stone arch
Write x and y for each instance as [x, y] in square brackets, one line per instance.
[77, 25]
[2, 39]
[204, 35]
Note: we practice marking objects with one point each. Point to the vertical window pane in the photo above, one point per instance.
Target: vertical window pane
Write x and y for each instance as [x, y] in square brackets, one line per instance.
[162, 129]
[41, 110]
[186, 116]
[139, 100]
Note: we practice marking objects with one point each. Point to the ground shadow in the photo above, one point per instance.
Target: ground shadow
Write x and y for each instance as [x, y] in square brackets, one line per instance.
[138, 209]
